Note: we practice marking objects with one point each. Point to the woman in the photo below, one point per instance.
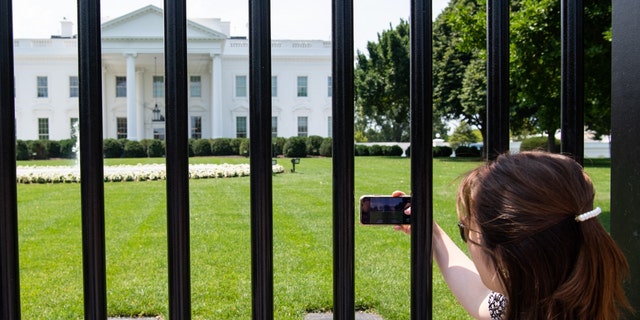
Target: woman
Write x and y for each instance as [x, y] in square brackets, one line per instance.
[537, 251]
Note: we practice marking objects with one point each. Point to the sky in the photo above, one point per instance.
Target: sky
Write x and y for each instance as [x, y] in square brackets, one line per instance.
[290, 19]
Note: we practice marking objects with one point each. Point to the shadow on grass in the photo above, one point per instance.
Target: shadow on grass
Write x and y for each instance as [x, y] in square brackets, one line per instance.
[598, 162]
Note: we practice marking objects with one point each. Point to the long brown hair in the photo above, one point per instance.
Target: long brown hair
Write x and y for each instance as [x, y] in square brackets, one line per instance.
[551, 266]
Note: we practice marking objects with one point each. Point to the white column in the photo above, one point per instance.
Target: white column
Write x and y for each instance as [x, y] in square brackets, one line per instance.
[132, 113]
[216, 99]
[105, 108]
[140, 103]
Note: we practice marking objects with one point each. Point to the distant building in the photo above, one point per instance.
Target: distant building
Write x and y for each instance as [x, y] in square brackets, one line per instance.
[46, 76]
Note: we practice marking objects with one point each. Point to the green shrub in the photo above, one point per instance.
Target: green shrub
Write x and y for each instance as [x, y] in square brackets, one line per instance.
[326, 148]
[112, 148]
[442, 151]
[467, 152]
[22, 150]
[155, 149]
[222, 147]
[362, 150]
[407, 152]
[66, 148]
[245, 147]
[202, 148]
[393, 151]
[53, 149]
[295, 147]
[191, 142]
[313, 145]
[538, 143]
[376, 150]
[134, 149]
[235, 145]
[38, 149]
[278, 145]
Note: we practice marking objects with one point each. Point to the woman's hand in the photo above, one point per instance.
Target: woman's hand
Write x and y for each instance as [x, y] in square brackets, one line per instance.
[406, 228]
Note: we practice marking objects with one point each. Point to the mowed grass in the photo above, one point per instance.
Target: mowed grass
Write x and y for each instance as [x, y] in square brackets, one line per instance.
[136, 243]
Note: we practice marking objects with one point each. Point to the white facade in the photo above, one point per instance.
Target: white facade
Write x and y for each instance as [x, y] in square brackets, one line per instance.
[46, 73]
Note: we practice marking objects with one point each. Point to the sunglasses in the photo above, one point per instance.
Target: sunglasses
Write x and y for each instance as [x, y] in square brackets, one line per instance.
[463, 232]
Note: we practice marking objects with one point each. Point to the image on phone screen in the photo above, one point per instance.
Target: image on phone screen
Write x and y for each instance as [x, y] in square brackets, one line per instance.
[384, 210]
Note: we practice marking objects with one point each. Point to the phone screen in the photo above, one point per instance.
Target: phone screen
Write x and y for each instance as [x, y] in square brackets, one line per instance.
[384, 210]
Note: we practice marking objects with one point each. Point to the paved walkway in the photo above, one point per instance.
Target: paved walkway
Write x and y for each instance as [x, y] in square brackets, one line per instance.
[329, 316]
[310, 316]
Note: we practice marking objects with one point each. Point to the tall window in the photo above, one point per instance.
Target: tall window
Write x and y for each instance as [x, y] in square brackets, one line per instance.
[43, 128]
[241, 86]
[158, 133]
[121, 87]
[195, 86]
[303, 128]
[329, 127]
[43, 87]
[329, 86]
[74, 87]
[274, 86]
[274, 127]
[302, 86]
[196, 127]
[241, 127]
[158, 86]
[74, 129]
[121, 127]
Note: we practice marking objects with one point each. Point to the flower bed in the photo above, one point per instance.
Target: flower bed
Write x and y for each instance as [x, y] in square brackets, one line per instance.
[140, 172]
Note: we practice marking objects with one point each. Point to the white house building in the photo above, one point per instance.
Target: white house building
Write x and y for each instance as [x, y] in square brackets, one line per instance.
[46, 82]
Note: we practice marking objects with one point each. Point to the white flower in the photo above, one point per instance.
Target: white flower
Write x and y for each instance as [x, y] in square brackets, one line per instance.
[139, 172]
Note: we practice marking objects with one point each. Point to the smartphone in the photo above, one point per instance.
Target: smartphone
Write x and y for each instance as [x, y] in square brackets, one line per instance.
[384, 209]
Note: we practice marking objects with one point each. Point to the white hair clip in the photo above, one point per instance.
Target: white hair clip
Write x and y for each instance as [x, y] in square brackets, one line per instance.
[589, 214]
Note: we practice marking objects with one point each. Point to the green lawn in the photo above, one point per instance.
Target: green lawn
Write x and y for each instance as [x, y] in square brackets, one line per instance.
[51, 253]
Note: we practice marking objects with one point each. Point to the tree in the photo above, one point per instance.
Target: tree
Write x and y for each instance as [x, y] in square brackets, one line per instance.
[459, 52]
[463, 135]
[382, 86]
[459, 63]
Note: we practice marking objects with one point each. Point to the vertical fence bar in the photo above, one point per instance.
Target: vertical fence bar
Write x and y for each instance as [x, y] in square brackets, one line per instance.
[497, 78]
[91, 161]
[572, 94]
[175, 48]
[9, 266]
[260, 155]
[421, 159]
[625, 163]
[343, 163]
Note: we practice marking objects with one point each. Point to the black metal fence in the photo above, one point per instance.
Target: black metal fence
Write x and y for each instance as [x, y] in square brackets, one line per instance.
[625, 147]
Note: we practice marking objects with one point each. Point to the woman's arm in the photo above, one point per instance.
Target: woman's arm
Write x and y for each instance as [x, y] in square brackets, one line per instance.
[460, 274]
[457, 269]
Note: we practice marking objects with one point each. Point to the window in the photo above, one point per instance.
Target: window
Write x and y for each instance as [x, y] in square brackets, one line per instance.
[74, 87]
[121, 127]
[241, 127]
[303, 128]
[329, 127]
[302, 86]
[274, 86]
[195, 86]
[121, 87]
[43, 87]
[158, 86]
[241, 86]
[158, 133]
[75, 127]
[274, 127]
[43, 128]
[329, 86]
[196, 127]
